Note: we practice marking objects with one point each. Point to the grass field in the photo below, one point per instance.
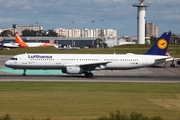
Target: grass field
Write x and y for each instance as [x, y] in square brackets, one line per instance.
[78, 101]
[174, 50]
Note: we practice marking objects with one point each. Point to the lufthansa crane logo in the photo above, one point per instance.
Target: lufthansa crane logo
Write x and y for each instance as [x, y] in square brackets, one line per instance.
[162, 44]
[1, 39]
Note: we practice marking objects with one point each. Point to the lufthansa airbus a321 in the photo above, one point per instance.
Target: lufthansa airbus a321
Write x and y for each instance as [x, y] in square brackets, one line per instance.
[86, 63]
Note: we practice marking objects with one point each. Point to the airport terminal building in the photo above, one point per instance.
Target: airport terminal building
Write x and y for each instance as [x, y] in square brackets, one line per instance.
[76, 41]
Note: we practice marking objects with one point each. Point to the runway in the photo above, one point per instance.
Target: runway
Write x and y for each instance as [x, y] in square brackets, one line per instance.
[149, 74]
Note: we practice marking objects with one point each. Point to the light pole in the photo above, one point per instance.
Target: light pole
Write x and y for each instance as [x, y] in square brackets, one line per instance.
[36, 29]
[72, 34]
[93, 33]
[102, 32]
[72, 28]
[92, 27]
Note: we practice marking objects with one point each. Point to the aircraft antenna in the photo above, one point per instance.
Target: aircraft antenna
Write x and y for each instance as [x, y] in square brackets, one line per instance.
[114, 51]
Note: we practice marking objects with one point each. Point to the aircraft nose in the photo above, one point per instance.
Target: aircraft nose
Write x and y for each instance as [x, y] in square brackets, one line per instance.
[7, 63]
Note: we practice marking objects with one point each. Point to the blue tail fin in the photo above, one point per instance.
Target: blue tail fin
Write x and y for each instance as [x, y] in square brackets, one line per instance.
[2, 41]
[160, 46]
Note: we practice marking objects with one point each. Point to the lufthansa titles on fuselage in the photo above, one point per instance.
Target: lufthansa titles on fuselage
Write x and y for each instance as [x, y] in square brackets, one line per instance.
[40, 56]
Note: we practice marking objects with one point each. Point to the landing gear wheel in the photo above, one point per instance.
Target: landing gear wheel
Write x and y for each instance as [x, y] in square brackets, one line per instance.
[88, 74]
[172, 65]
[24, 74]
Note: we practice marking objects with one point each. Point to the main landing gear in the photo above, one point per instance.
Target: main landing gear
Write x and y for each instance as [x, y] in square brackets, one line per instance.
[88, 74]
[172, 63]
[24, 74]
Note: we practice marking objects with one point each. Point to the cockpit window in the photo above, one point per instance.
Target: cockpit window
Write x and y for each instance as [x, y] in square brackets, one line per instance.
[13, 59]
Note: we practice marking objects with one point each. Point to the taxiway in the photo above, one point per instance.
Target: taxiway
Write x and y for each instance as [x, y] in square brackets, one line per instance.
[149, 74]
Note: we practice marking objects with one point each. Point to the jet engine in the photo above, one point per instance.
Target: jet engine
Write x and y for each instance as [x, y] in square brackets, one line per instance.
[178, 62]
[72, 70]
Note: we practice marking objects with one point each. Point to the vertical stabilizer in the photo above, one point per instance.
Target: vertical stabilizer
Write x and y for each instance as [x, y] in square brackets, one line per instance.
[2, 41]
[20, 42]
[161, 45]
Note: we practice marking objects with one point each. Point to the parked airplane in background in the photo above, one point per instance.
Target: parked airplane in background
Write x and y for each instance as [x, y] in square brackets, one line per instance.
[85, 63]
[23, 44]
[6, 44]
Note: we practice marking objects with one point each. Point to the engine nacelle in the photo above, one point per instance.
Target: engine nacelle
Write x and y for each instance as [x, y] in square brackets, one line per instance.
[178, 62]
[72, 70]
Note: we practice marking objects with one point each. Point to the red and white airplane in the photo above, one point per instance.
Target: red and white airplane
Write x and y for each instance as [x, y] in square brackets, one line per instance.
[23, 44]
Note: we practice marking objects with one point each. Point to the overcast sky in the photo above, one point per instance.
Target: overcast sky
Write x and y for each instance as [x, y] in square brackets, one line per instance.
[117, 14]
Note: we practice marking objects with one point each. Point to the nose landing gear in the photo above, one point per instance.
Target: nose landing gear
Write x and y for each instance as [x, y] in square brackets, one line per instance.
[24, 73]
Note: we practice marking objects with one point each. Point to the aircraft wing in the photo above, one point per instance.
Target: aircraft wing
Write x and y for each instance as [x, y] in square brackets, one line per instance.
[90, 66]
[161, 60]
[169, 59]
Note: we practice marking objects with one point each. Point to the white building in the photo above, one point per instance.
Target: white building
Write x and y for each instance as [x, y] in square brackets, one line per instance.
[85, 32]
[20, 28]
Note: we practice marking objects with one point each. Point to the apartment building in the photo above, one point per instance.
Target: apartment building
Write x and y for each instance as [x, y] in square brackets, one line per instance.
[20, 28]
[151, 29]
[62, 32]
[85, 32]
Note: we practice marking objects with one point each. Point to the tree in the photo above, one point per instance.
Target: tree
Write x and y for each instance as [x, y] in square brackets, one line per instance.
[153, 39]
[98, 41]
[7, 33]
[26, 33]
[41, 33]
[124, 116]
[51, 33]
[101, 43]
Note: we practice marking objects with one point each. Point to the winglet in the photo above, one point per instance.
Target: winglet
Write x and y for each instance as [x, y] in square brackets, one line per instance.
[20, 42]
[160, 46]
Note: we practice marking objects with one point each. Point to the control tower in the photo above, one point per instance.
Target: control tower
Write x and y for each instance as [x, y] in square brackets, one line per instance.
[141, 12]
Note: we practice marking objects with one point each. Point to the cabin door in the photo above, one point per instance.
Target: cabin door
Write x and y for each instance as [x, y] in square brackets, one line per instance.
[58, 61]
[24, 59]
[144, 61]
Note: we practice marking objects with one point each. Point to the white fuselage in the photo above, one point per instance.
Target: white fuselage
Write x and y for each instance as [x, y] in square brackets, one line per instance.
[58, 61]
[39, 44]
[10, 45]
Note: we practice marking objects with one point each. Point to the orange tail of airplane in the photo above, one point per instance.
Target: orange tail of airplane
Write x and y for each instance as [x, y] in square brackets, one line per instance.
[20, 42]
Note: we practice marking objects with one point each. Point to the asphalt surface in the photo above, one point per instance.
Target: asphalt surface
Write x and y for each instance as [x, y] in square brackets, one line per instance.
[148, 74]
